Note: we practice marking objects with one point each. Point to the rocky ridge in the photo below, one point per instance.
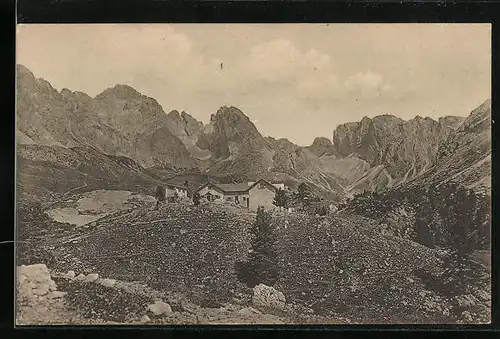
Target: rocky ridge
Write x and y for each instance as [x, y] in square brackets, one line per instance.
[119, 121]
[403, 149]
[380, 152]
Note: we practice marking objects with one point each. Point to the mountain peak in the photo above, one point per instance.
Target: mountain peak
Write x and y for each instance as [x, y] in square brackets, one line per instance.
[23, 70]
[387, 118]
[231, 110]
[186, 116]
[451, 121]
[66, 91]
[322, 141]
[479, 119]
[174, 114]
[120, 91]
[322, 146]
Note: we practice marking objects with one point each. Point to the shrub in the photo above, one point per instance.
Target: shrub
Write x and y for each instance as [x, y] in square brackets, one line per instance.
[462, 275]
[196, 199]
[321, 210]
[161, 193]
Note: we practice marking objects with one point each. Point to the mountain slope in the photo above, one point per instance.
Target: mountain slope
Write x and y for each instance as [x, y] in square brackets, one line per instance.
[119, 121]
[187, 129]
[238, 148]
[405, 149]
[465, 156]
[48, 173]
[455, 194]
[382, 152]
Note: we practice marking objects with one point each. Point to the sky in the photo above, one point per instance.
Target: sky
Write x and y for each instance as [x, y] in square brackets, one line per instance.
[294, 81]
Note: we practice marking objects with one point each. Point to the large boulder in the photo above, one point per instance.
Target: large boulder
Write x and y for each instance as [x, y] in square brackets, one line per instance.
[268, 298]
[159, 308]
[33, 281]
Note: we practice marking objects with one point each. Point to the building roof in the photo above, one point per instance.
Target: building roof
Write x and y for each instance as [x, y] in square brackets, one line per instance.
[217, 188]
[267, 183]
[236, 187]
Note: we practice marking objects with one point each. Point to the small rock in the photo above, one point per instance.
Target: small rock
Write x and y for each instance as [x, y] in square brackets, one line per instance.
[248, 312]
[52, 285]
[70, 274]
[485, 296]
[466, 300]
[107, 282]
[411, 281]
[57, 294]
[159, 308]
[80, 277]
[467, 316]
[42, 290]
[92, 277]
[145, 319]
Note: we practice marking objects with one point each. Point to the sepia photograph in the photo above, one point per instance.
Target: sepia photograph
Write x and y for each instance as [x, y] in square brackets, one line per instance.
[243, 174]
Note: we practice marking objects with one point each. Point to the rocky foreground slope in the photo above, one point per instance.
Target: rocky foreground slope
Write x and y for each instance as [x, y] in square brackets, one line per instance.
[51, 298]
[335, 267]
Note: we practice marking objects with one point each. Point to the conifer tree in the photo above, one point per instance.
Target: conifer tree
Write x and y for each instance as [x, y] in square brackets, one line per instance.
[262, 263]
[303, 195]
[281, 198]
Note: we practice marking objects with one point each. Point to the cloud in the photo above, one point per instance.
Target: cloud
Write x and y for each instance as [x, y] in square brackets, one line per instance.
[167, 64]
[310, 72]
[368, 84]
[364, 80]
[280, 60]
[104, 55]
[319, 75]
